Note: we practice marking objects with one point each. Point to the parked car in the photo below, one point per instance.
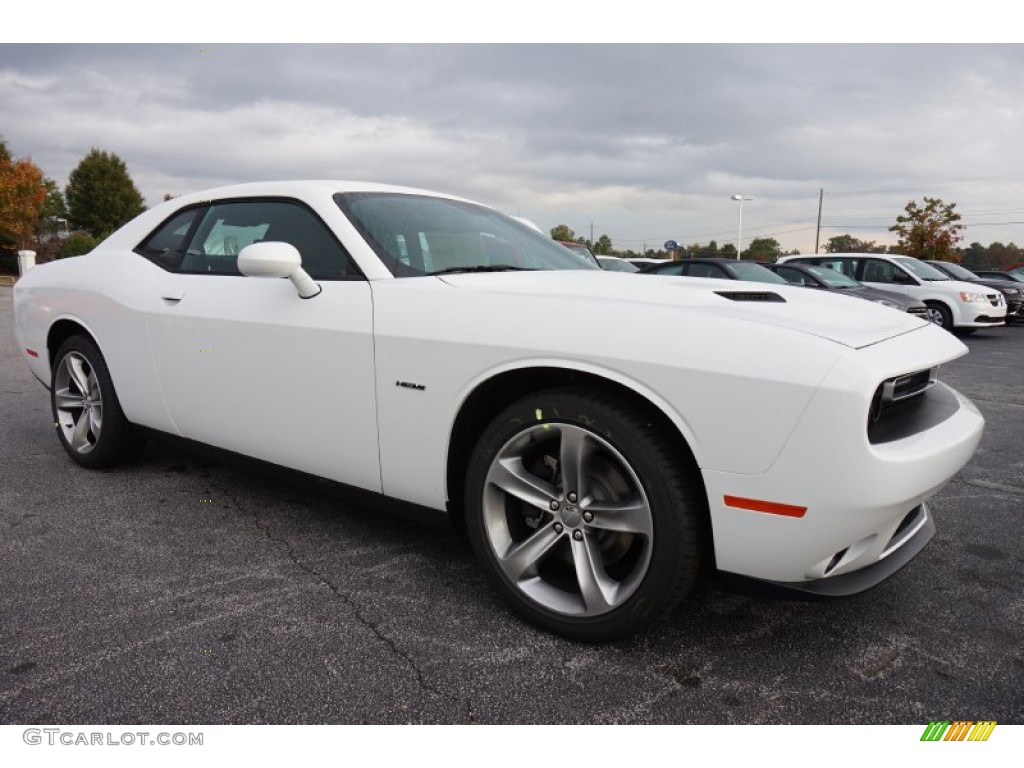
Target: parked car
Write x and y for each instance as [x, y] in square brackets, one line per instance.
[640, 262]
[956, 306]
[825, 279]
[615, 264]
[722, 269]
[582, 250]
[1012, 292]
[998, 275]
[419, 347]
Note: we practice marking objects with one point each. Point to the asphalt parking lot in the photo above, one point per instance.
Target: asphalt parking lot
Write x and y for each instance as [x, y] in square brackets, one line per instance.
[179, 590]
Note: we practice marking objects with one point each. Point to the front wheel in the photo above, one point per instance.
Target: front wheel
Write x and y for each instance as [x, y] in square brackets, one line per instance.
[584, 513]
[940, 315]
[88, 417]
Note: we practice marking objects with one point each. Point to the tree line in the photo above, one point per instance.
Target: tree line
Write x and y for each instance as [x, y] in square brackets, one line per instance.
[35, 213]
[927, 230]
[100, 196]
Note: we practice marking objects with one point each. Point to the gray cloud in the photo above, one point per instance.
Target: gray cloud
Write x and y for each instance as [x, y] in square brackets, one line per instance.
[644, 141]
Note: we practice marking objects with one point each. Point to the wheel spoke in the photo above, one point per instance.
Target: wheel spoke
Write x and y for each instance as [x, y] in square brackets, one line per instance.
[511, 476]
[597, 588]
[80, 437]
[76, 369]
[65, 400]
[629, 516]
[523, 557]
[574, 455]
[94, 388]
[95, 421]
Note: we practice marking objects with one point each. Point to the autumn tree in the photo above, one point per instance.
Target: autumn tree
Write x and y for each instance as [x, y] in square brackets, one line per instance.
[931, 231]
[101, 196]
[22, 195]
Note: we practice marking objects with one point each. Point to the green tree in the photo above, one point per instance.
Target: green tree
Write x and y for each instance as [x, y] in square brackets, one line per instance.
[54, 209]
[763, 249]
[975, 256]
[851, 244]
[563, 233]
[101, 196]
[603, 246]
[931, 231]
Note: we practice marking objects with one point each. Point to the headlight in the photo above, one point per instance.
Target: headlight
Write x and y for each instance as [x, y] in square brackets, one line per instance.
[887, 303]
[973, 298]
[1010, 291]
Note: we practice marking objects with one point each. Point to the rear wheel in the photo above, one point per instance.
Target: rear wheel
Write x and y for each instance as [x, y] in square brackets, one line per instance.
[88, 417]
[584, 513]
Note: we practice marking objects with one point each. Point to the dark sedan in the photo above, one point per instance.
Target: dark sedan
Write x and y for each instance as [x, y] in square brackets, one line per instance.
[1014, 277]
[825, 279]
[1005, 283]
[724, 269]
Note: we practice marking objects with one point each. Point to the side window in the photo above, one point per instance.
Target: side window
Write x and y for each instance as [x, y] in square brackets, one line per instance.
[704, 270]
[878, 271]
[166, 246]
[675, 269]
[846, 267]
[226, 228]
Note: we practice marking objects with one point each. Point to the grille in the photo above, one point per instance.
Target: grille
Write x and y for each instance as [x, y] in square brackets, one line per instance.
[900, 389]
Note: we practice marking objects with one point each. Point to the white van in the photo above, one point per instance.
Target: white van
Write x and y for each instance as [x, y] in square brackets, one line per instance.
[952, 304]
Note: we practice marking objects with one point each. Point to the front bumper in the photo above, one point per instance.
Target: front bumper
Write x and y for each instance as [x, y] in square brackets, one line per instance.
[849, 503]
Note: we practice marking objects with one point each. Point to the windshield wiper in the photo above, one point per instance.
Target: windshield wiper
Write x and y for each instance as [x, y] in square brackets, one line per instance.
[482, 268]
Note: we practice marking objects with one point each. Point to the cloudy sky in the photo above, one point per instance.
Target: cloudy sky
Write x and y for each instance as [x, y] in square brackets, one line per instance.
[644, 142]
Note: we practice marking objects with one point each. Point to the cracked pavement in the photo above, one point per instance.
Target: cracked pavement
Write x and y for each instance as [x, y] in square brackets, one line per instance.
[180, 590]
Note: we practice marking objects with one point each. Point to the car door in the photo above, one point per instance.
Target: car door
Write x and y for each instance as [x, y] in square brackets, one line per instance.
[247, 365]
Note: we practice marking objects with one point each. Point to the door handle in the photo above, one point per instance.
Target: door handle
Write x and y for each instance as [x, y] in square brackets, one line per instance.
[172, 296]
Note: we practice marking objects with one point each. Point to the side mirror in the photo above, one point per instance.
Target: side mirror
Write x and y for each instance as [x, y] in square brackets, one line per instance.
[273, 259]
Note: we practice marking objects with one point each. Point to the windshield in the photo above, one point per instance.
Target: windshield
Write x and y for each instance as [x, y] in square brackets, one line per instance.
[831, 278]
[919, 268]
[747, 270]
[417, 235]
[615, 264]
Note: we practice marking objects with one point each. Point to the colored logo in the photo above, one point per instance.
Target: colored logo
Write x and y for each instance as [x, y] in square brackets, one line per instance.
[958, 730]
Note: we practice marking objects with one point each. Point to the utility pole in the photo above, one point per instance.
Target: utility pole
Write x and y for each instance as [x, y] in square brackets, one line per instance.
[817, 234]
[591, 234]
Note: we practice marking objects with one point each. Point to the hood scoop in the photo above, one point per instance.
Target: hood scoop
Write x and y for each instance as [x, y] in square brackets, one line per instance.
[750, 296]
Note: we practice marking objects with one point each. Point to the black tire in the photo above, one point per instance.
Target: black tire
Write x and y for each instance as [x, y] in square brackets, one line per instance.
[81, 388]
[940, 314]
[633, 478]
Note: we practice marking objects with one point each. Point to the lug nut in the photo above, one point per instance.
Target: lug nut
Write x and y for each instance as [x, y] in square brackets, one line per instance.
[554, 505]
[572, 497]
[578, 535]
[558, 527]
[588, 517]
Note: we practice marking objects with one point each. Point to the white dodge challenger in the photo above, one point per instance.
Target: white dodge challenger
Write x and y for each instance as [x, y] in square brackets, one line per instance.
[598, 434]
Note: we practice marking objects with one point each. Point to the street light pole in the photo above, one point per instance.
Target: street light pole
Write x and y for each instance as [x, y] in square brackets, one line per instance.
[739, 234]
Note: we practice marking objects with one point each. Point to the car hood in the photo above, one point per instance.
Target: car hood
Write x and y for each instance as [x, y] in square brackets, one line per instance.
[851, 323]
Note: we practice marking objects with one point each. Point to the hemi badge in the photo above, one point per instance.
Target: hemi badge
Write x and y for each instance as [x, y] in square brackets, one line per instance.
[32, 352]
[771, 507]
